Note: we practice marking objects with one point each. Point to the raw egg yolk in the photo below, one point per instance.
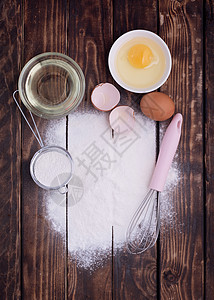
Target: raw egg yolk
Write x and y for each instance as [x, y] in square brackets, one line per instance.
[140, 56]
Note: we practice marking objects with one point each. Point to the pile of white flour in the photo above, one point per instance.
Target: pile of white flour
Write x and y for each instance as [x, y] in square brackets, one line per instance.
[111, 178]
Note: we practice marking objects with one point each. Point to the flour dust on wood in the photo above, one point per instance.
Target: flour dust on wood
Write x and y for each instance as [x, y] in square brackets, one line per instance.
[111, 178]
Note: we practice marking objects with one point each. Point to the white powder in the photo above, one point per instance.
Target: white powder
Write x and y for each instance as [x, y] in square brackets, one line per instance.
[52, 168]
[111, 179]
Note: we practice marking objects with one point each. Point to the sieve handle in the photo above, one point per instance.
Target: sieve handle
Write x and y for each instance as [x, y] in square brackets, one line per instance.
[63, 190]
[36, 134]
[167, 152]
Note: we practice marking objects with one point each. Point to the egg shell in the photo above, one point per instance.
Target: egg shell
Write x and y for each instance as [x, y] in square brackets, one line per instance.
[105, 96]
[122, 119]
[157, 106]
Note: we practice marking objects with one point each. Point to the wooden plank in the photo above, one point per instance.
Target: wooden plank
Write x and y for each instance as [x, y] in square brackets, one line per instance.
[209, 142]
[10, 157]
[89, 41]
[181, 245]
[135, 276]
[44, 250]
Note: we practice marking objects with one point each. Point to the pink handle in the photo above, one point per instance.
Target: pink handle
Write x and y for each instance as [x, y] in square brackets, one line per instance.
[167, 152]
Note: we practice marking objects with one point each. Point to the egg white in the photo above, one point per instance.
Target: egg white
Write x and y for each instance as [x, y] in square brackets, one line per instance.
[145, 77]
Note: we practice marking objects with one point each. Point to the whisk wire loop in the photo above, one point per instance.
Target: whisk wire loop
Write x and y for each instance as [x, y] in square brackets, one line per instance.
[140, 233]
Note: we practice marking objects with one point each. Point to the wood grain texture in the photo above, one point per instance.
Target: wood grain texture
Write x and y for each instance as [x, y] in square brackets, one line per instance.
[33, 256]
[181, 244]
[209, 147]
[134, 275]
[44, 250]
[10, 151]
[90, 36]
[89, 41]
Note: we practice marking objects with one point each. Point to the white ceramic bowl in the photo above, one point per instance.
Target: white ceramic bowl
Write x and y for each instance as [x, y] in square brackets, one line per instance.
[124, 39]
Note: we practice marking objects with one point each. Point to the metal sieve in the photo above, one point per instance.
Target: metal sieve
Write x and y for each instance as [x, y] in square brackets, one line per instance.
[59, 180]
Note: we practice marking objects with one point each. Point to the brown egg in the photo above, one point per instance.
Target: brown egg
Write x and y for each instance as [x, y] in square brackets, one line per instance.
[157, 106]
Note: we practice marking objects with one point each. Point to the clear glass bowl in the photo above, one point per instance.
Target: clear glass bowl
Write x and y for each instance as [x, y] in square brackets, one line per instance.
[51, 85]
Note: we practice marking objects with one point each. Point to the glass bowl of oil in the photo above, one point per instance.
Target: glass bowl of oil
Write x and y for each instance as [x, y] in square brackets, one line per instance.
[51, 85]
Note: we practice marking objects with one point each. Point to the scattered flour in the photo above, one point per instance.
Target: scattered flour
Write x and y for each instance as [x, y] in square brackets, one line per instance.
[111, 177]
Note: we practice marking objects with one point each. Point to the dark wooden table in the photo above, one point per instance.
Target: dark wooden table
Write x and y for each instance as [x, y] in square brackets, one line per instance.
[181, 265]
